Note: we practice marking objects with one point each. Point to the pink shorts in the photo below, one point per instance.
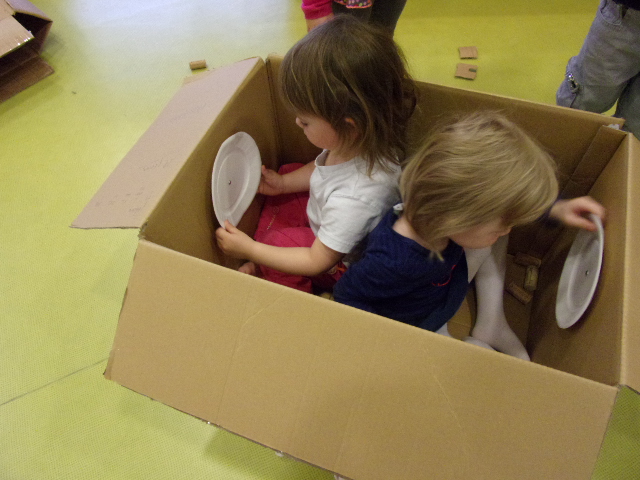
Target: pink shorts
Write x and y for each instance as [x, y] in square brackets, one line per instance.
[284, 223]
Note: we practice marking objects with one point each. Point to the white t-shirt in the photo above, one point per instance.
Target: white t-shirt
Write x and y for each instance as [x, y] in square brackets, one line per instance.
[345, 204]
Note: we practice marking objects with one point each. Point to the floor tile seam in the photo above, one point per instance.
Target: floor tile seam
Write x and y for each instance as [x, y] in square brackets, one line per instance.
[48, 384]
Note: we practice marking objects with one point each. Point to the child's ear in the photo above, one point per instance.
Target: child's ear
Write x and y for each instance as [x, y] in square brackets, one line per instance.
[352, 127]
[350, 121]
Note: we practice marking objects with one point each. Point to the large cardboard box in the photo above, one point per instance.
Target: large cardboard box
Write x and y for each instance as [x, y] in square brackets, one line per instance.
[343, 389]
[23, 29]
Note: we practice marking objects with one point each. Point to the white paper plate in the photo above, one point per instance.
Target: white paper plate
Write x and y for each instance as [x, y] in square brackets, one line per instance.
[580, 275]
[235, 177]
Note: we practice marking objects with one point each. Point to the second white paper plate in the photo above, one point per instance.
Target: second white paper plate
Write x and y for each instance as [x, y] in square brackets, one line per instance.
[580, 275]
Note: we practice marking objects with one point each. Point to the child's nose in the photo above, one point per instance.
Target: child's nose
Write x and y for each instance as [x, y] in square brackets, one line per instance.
[299, 122]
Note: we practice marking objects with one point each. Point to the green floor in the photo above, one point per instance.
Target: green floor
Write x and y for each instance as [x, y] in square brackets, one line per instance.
[117, 63]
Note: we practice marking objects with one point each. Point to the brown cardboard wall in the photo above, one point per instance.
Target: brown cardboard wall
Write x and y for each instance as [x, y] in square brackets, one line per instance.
[591, 348]
[630, 355]
[184, 220]
[135, 187]
[330, 385]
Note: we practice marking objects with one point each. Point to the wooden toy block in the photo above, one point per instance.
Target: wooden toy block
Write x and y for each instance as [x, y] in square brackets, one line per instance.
[526, 259]
[519, 293]
[198, 64]
[531, 278]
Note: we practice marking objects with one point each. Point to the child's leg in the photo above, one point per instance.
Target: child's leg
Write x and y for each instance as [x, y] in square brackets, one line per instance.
[444, 330]
[283, 211]
[288, 237]
[491, 324]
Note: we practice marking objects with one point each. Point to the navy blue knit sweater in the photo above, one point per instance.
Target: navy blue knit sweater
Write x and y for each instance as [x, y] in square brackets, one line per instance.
[400, 279]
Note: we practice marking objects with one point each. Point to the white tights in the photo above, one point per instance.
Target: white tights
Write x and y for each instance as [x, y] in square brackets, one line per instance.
[488, 266]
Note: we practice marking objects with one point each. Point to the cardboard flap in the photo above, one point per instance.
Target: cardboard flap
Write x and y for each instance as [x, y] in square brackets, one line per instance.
[134, 188]
[19, 70]
[13, 35]
[5, 10]
[336, 387]
[28, 8]
[579, 182]
[603, 146]
[630, 354]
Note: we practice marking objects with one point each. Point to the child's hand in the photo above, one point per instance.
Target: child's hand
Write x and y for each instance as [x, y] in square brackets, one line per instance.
[574, 212]
[271, 182]
[234, 242]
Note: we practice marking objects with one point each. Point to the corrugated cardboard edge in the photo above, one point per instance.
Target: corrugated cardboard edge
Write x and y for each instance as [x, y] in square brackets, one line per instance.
[134, 188]
[630, 354]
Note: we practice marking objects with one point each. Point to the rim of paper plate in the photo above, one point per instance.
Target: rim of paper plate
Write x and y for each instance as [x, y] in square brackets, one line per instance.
[584, 259]
[235, 177]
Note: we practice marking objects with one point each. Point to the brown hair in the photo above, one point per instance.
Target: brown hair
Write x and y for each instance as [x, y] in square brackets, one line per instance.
[349, 69]
[475, 170]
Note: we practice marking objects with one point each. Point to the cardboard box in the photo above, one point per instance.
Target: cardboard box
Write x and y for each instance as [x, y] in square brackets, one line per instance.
[343, 389]
[23, 29]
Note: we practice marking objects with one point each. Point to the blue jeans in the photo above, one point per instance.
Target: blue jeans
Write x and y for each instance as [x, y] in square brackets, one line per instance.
[607, 69]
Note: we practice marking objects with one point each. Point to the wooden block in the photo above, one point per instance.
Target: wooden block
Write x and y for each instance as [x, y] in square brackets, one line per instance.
[198, 64]
[468, 52]
[519, 293]
[531, 278]
[526, 259]
[465, 70]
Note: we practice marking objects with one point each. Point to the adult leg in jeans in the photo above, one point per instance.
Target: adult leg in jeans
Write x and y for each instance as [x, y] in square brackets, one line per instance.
[606, 69]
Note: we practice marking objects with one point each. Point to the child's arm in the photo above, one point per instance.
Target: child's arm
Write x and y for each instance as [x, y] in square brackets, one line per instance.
[307, 261]
[272, 183]
[573, 212]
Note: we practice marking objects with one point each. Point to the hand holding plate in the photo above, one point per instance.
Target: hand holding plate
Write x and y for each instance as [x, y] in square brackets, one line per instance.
[577, 212]
[233, 242]
[271, 182]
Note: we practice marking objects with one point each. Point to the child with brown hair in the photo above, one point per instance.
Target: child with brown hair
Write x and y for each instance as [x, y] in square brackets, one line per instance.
[465, 188]
[348, 85]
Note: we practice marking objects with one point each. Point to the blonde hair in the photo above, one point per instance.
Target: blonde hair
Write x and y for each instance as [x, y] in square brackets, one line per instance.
[349, 69]
[475, 170]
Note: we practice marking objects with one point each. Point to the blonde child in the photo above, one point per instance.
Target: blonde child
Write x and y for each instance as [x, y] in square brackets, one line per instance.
[462, 191]
[347, 83]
